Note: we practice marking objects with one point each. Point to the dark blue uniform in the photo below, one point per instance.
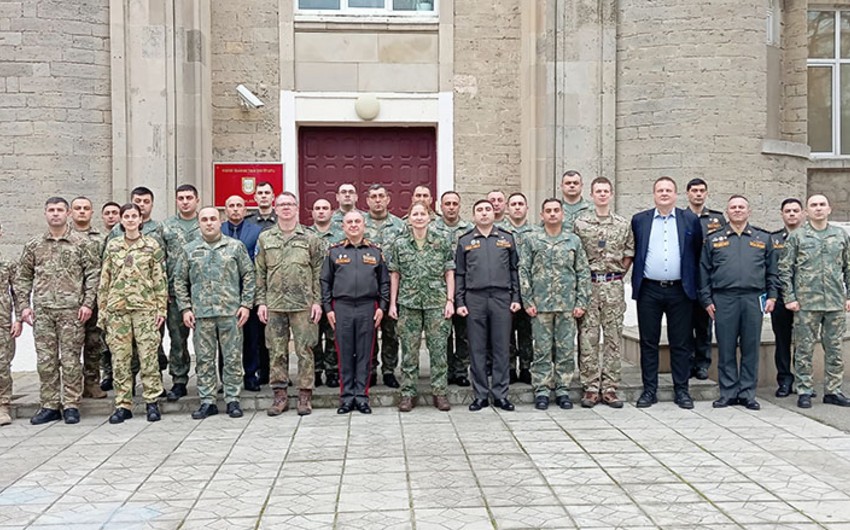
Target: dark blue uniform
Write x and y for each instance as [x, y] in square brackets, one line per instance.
[355, 282]
[710, 220]
[254, 327]
[735, 270]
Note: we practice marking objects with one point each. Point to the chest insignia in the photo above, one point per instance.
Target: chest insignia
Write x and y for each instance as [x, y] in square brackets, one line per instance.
[503, 243]
[369, 259]
[342, 259]
[757, 244]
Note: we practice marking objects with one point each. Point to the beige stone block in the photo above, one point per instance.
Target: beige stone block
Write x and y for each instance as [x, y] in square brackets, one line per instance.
[336, 47]
[326, 76]
[408, 48]
[398, 77]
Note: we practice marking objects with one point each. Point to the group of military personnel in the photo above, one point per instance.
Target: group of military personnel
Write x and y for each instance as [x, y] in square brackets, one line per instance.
[500, 299]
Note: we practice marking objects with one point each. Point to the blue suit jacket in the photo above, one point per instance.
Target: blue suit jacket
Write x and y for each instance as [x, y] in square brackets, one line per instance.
[248, 234]
[690, 245]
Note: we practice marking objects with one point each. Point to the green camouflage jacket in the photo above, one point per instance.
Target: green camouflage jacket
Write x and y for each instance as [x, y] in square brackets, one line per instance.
[422, 272]
[573, 211]
[553, 272]
[288, 269]
[214, 279]
[382, 233]
[815, 268]
[7, 292]
[330, 237]
[132, 278]
[177, 233]
[454, 232]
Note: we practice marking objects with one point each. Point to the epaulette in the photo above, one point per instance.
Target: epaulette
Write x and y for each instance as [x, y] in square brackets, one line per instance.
[468, 232]
[778, 232]
[710, 232]
[716, 212]
[338, 244]
[760, 229]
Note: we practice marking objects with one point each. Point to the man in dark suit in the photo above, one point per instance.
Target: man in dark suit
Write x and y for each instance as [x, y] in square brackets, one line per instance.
[246, 232]
[664, 282]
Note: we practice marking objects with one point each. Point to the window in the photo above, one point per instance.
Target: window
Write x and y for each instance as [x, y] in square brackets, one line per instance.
[368, 7]
[829, 82]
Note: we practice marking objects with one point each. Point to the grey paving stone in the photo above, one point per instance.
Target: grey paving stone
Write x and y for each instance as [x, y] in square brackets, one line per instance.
[698, 513]
[297, 522]
[467, 497]
[531, 517]
[388, 520]
[735, 492]
[453, 519]
[607, 515]
[825, 511]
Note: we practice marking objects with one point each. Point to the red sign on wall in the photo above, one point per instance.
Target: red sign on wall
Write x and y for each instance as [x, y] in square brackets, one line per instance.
[242, 179]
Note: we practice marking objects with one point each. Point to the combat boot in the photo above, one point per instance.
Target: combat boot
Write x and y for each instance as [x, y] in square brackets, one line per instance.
[305, 407]
[281, 402]
[5, 417]
[93, 390]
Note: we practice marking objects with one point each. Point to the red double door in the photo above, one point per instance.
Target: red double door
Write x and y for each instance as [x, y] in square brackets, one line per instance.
[400, 158]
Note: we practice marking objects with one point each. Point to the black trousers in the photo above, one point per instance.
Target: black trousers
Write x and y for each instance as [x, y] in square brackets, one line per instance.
[488, 329]
[522, 346]
[701, 323]
[655, 301]
[782, 322]
[255, 354]
[355, 346]
[457, 348]
[738, 323]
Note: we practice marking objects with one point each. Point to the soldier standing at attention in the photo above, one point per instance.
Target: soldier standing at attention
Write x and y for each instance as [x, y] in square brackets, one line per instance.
[815, 275]
[246, 232]
[781, 319]
[572, 202]
[737, 267]
[522, 349]
[110, 214]
[500, 206]
[288, 262]
[346, 199]
[355, 295]
[608, 241]
[10, 329]
[324, 352]
[422, 287]
[264, 197]
[60, 270]
[215, 292]
[457, 346]
[178, 231]
[132, 299]
[81, 214]
[711, 220]
[555, 286]
[382, 228]
[487, 287]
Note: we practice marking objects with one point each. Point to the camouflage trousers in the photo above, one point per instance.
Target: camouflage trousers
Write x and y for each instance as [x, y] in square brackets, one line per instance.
[554, 362]
[305, 334]
[599, 367]
[411, 324]
[831, 325]
[58, 345]
[209, 335]
[178, 354]
[123, 330]
[7, 354]
[457, 348]
[522, 347]
[324, 352]
[93, 347]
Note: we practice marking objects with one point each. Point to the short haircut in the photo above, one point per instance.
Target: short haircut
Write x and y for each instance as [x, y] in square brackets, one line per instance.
[188, 187]
[696, 182]
[518, 194]
[547, 201]
[790, 200]
[496, 191]
[56, 200]
[286, 194]
[375, 187]
[481, 201]
[108, 204]
[570, 173]
[80, 198]
[138, 191]
[322, 199]
[264, 183]
[601, 180]
[665, 179]
[738, 196]
[209, 207]
[450, 192]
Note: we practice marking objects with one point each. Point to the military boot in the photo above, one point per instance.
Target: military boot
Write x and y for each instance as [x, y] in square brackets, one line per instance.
[93, 390]
[281, 402]
[5, 417]
[305, 407]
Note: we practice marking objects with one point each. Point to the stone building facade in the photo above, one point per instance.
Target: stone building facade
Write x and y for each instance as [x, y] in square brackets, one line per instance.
[99, 96]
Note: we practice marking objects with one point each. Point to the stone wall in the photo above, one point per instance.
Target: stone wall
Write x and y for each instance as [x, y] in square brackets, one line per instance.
[245, 40]
[487, 97]
[55, 120]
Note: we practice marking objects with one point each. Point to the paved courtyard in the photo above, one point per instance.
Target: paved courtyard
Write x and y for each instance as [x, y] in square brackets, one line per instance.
[601, 468]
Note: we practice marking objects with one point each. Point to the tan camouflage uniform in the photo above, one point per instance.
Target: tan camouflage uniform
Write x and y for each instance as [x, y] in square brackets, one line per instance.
[7, 343]
[133, 293]
[288, 269]
[62, 275]
[606, 241]
[93, 345]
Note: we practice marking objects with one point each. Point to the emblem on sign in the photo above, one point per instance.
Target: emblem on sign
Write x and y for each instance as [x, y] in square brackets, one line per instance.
[248, 184]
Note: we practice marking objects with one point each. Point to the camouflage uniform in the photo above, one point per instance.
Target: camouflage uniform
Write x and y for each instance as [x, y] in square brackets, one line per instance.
[324, 352]
[133, 293]
[606, 241]
[522, 340]
[382, 233]
[574, 211]
[177, 233]
[93, 346]
[554, 277]
[7, 343]
[421, 304]
[213, 279]
[288, 268]
[815, 271]
[62, 274]
[457, 345]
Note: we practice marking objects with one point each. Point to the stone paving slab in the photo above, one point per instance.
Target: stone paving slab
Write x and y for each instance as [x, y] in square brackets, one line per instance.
[661, 467]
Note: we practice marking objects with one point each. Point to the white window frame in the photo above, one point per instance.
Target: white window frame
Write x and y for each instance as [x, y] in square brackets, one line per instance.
[774, 13]
[834, 64]
[345, 11]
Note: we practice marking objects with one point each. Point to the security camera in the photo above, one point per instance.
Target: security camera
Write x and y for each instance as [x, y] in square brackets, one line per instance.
[248, 99]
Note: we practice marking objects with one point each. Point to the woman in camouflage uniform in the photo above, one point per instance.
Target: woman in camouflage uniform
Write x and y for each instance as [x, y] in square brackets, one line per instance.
[422, 283]
[132, 302]
[10, 329]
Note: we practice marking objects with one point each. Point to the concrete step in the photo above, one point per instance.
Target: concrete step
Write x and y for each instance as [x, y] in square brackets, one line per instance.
[26, 401]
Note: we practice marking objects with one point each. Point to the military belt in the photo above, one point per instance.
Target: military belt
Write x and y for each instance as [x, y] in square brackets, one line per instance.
[599, 277]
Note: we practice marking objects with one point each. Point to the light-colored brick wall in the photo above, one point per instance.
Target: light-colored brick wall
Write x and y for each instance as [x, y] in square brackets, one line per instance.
[486, 97]
[833, 183]
[245, 40]
[55, 122]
